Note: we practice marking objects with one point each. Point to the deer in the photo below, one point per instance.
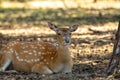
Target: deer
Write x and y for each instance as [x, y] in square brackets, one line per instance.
[41, 57]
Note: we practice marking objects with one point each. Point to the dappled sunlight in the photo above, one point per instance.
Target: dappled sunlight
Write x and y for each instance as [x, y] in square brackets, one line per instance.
[102, 5]
[45, 4]
[36, 17]
[91, 45]
[62, 4]
[84, 31]
[61, 12]
[26, 32]
[106, 27]
[39, 4]
[97, 32]
[12, 5]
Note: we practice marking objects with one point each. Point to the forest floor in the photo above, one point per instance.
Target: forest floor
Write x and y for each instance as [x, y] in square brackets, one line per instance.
[91, 46]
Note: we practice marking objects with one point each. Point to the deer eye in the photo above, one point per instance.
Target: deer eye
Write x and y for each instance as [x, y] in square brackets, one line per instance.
[58, 34]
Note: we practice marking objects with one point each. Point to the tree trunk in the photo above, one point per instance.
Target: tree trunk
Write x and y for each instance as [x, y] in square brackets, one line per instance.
[115, 57]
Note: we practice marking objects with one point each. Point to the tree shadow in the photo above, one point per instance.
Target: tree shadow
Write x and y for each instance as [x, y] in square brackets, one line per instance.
[59, 16]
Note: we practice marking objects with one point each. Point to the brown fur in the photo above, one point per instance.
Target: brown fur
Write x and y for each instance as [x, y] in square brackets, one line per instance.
[39, 57]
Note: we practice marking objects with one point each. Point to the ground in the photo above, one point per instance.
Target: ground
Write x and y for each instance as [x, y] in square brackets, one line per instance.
[91, 46]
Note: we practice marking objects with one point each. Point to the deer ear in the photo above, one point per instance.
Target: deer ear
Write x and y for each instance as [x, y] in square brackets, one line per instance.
[52, 26]
[73, 28]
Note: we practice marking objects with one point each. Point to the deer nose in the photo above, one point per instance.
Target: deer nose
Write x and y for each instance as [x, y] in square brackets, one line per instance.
[67, 41]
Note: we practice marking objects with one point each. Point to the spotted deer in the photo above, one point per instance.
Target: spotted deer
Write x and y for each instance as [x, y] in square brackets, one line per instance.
[42, 57]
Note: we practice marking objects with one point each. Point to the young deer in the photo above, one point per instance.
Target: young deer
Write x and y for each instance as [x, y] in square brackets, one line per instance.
[40, 57]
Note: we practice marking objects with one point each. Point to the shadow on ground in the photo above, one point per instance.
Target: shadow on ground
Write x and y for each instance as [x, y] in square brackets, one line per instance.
[59, 16]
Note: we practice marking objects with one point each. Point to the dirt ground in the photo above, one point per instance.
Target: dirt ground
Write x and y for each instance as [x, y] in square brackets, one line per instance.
[91, 46]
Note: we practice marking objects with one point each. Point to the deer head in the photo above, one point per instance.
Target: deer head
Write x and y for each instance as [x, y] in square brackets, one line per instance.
[63, 34]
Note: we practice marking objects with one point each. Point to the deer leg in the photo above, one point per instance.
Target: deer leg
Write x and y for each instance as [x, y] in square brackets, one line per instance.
[41, 69]
[67, 68]
[5, 65]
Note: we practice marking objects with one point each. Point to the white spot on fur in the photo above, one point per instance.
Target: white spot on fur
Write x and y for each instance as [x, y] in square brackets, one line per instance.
[32, 60]
[35, 54]
[52, 58]
[30, 53]
[47, 63]
[45, 60]
[34, 51]
[26, 51]
[55, 44]
[41, 57]
[39, 53]
[28, 61]
[21, 60]
[42, 48]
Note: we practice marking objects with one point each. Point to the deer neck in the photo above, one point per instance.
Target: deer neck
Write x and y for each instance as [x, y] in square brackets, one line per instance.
[63, 51]
[62, 47]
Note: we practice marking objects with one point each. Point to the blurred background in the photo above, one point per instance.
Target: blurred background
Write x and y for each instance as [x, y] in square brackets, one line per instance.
[36, 13]
[92, 43]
